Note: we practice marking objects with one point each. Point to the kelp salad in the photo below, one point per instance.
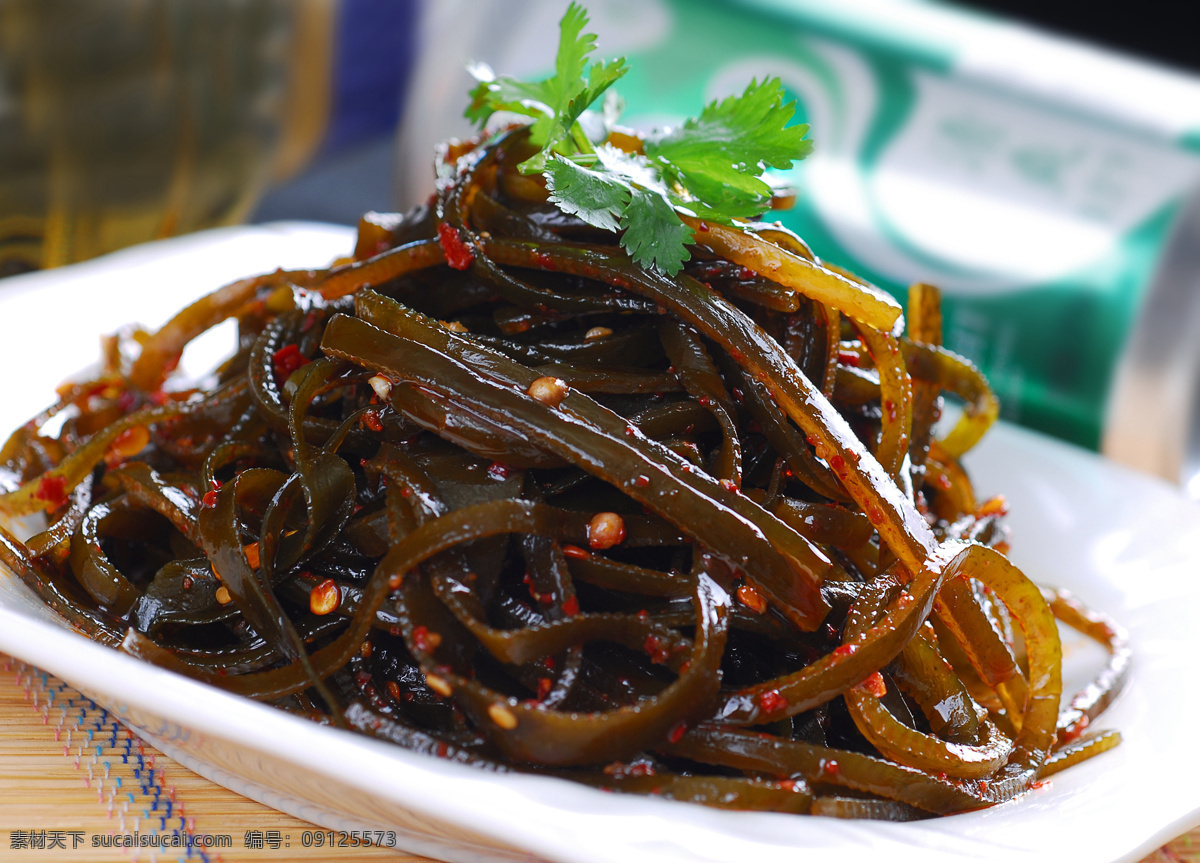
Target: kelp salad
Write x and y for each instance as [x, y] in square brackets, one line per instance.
[579, 469]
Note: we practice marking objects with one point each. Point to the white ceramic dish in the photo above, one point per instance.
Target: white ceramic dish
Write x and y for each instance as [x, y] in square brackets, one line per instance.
[1123, 542]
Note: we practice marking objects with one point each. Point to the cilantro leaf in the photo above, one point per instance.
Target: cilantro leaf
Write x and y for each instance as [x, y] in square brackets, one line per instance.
[654, 236]
[624, 192]
[573, 48]
[719, 157]
[555, 103]
[597, 197]
[748, 132]
[711, 167]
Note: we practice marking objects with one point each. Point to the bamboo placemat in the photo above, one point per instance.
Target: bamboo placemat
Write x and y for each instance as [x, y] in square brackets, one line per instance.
[71, 775]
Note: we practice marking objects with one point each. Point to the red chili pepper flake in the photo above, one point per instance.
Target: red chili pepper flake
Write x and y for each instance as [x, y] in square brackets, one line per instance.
[874, 685]
[849, 358]
[643, 615]
[285, 361]
[576, 552]
[656, 650]
[424, 639]
[498, 470]
[209, 500]
[837, 463]
[983, 786]
[458, 253]
[309, 322]
[875, 514]
[443, 750]
[545, 261]
[630, 431]
[751, 598]
[570, 606]
[188, 581]
[51, 489]
[730, 486]
[620, 769]
[746, 274]
[830, 766]
[771, 701]
[641, 481]
[1075, 731]
[845, 650]
[676, 733]
[1039, 784]
[703, 226]
[371, 420]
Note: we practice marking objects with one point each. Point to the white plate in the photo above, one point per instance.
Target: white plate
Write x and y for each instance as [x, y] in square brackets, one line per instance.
[1123, 542]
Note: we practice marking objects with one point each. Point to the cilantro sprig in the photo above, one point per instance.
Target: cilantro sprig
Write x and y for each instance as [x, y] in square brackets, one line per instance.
[710, 167]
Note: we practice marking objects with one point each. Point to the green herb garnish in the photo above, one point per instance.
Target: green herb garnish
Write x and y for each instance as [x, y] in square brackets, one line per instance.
[709, 168]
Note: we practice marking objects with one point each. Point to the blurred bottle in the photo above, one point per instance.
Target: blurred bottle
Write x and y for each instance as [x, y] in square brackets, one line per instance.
[1048, 187]
[129, 120]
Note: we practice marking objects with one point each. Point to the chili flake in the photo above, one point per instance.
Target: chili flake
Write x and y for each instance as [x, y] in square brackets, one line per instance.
[458, 253]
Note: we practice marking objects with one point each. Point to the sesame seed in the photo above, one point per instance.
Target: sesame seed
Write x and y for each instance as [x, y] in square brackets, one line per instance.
[440, 685]
[605, 530]
[547, 390]
[325, 597]
[502, 716]
[381, 385]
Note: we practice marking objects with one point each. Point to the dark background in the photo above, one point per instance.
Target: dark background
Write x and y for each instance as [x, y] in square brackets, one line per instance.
[1166, 32]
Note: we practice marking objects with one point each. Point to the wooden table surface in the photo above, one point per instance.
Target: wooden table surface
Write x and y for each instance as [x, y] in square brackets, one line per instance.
[72, 778]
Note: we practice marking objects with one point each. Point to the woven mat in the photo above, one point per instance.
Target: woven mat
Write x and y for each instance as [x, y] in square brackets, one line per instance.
[72, 778]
